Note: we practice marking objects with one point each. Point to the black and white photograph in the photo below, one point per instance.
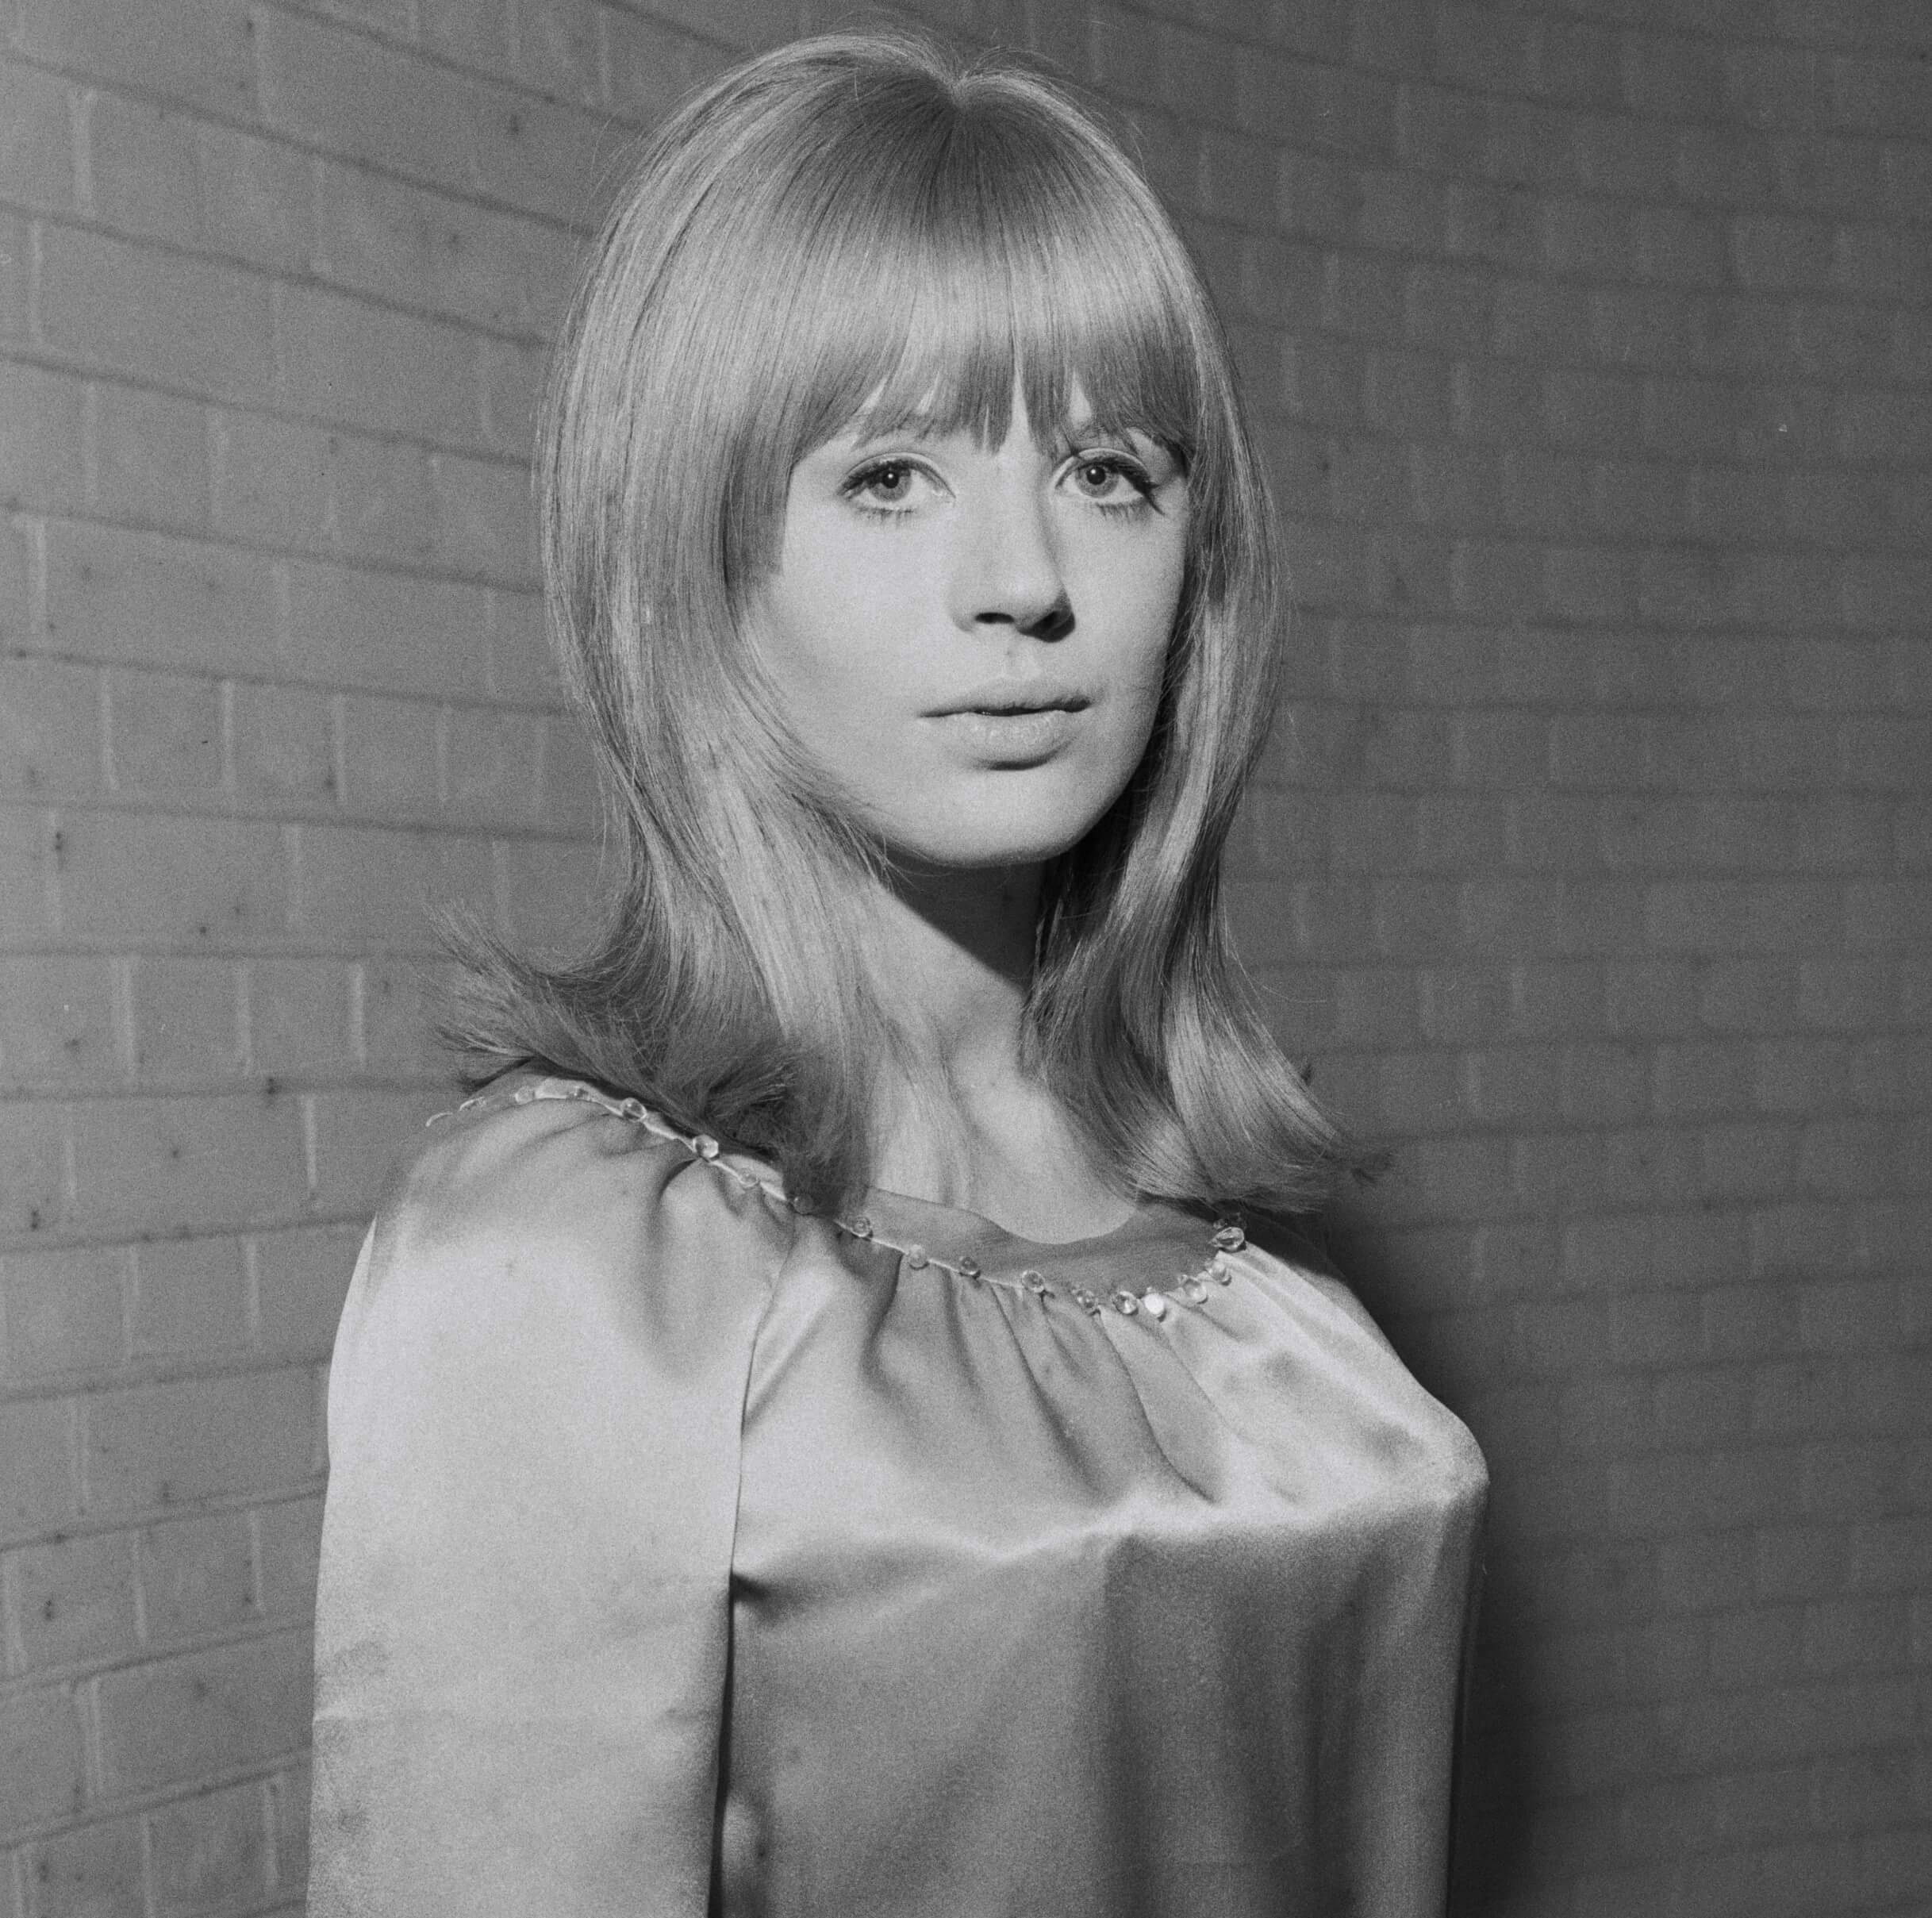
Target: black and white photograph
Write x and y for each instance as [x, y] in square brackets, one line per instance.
[965, 959]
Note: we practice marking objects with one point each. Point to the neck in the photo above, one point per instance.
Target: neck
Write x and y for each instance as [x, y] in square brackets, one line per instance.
[952, 955]
[957, 1118]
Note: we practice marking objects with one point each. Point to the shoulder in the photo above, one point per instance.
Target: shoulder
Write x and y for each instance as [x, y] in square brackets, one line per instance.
[1297, 1240]
[552, 1162]
[538, 1220]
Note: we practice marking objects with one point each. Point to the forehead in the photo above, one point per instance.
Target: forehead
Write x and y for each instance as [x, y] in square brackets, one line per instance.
[937, 416]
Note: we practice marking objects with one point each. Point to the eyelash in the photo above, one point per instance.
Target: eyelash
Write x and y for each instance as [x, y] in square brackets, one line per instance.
[1131, 470]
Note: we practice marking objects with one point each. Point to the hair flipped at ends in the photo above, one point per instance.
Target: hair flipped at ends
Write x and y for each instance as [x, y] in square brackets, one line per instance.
[866, 228]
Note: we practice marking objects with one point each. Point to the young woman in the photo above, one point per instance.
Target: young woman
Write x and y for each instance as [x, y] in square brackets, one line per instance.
[812, 1437]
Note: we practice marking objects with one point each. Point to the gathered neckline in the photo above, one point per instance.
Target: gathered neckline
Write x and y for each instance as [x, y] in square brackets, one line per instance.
[976, 1247]
[885, 1199]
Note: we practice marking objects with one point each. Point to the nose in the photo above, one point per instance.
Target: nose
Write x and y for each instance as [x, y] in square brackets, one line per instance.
[1005, 569]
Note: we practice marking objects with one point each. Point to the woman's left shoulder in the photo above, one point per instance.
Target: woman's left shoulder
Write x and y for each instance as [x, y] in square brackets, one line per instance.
[1300, 1245]
[1298, 1242]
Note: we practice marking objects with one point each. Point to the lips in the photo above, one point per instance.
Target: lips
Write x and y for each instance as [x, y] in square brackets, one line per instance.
[1008, 696]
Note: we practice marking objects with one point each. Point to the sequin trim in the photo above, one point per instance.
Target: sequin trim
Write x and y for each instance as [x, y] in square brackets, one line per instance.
[1155, 1303]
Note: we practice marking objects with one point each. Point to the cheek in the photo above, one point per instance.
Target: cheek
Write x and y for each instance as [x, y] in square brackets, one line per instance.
[1133, 597]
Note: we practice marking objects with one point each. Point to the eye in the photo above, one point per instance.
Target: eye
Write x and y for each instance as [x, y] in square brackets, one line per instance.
[884, 487]
[1112, 479]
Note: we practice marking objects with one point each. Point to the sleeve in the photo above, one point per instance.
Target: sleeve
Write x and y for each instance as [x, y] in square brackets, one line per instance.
[523, 1617]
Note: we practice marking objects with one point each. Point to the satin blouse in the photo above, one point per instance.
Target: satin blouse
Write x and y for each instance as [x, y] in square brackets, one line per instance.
[686, 1554]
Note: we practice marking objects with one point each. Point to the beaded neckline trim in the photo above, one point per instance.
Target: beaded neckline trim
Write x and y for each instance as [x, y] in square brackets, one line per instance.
[1155, 1301]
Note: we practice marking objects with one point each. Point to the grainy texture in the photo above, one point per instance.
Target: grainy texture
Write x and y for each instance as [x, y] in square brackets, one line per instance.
[1593, 871]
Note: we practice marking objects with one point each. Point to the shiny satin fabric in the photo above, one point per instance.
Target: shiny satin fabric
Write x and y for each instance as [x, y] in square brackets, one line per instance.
[685, 1556]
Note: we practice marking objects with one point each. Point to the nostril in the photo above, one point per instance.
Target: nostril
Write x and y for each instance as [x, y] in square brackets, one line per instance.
[1055, 623]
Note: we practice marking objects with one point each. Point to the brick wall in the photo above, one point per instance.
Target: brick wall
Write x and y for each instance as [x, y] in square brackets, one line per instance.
[1591, 348]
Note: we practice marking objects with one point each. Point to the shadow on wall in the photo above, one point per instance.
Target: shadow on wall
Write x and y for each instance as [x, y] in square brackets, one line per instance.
[1496, 1766]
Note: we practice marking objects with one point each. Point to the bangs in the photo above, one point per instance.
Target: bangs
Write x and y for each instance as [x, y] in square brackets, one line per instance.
[937, 258]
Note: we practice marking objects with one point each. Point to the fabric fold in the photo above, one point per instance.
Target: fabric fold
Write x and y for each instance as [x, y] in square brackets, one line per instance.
[522, 1624]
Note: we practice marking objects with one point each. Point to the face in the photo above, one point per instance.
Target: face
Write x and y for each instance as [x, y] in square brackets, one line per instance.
[971, 639]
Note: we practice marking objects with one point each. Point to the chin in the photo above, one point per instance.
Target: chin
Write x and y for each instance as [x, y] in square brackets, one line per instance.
[1008, 843]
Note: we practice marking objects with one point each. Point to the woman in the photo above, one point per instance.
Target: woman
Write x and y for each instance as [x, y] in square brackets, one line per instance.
[809, 1438]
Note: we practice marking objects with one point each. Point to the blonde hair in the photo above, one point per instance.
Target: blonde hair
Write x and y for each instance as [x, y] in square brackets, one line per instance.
[868, 224]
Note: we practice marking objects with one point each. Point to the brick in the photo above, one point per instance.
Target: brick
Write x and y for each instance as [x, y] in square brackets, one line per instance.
[289, 1792]
[1745, 1161]
[485, 519]
[394, 240]
[392, 756]
[1890, 1555]
[569, 801]
[184, 1018]
[65, 1311]
[1331, 109]
[360, 1136]
[94, 1872]
[129, 309]
[155, 599]
[1797, 1075]
[211, 1852]
[210, 187]
[226, 1158]
[74, 1601]
[492, 767]
[191, 1299]
[151, 459]
[559, 42]
[1705, 1407]
[41, 1776]
[272, 480]
[354, 364]
[362, 888]
[197, 1576]
[290, 1542]
[298, 1020]
[651, 66]
[16, 259]
[348, 95]
[1454, 308]
[1881, 96]
[165, 1723]
[1626, 158]
[151, 1447]
[1884, 592]
[394, 1003]
[142, 171]
[1755, 1648]
[41, 438]
[383, 629]
[301, 1278]
[199, 55]
[39, 1490]
[1530, 146]
[1777, 253]
[1365, 296]
[1851, 1635]
[37, 1197]
[206, 883]
[1124, 56]
[512, 395]
[1541, 319]
[1587, 238]
[256, 202]
[284, 747]
[58, 1023]
[36, 162]
[166, 735]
